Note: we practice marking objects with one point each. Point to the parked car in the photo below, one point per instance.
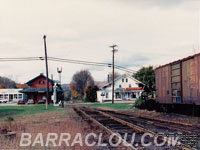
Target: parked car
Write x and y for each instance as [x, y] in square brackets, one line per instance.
[30, 101]
[3, 101]
[21, 102]
[41, 101]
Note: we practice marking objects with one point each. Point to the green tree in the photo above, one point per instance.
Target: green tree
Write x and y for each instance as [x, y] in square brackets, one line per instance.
[91, 93]
[147, 76]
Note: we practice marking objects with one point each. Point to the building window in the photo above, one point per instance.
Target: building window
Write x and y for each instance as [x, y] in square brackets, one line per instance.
[122, 79]
[126, 79]
[6, 96]
[120, 86]
[118, 95]
[20, 96]
[15, 96]
[106, 95]
[1, 96]
[10, 97]
[41, 82]
[133, 95]
[129, 85]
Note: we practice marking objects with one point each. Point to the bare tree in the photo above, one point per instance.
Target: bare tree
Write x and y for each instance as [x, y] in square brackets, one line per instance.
[80, 81]
[7, 83]
[116, 75]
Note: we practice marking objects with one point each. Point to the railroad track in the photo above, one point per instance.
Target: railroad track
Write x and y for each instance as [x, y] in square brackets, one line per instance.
[168, 125]
[113, 122]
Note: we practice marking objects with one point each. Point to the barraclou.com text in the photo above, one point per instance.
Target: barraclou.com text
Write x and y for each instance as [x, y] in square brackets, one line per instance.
[53, 139]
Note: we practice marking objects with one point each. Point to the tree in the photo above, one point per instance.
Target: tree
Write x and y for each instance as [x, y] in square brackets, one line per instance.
[21, 86]
[91, 93]
[147, 76]
[7, 83]
[2, 86]
[80, 81]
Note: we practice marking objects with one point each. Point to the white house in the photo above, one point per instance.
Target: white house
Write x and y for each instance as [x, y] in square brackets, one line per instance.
[11, 94]
[126, 88]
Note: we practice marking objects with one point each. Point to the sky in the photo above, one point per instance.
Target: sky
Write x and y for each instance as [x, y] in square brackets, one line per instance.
[147, 32]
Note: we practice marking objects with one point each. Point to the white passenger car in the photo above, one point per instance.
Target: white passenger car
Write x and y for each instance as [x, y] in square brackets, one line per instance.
[3, 100]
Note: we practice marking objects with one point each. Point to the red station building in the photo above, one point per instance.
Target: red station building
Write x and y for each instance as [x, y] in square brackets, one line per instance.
[37, 88]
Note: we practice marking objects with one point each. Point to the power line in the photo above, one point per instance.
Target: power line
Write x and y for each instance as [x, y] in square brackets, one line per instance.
[73, 61]
[20, 59]
[78, 62]
[90, 63]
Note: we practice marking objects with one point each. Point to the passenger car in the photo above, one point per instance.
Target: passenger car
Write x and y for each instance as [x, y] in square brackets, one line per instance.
[30, 101]
[3, 101]
[21, 102]
[41, 101]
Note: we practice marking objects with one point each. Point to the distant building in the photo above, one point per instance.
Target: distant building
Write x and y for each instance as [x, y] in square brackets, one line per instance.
[11, 94]
[37, 88]
[126, 88]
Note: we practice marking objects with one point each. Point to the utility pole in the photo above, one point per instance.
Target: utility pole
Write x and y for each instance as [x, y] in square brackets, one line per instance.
[47, 73]
[61, 96]
[113, 71]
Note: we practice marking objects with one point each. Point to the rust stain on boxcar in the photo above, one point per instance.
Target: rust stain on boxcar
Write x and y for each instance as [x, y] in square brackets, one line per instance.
[170, 80]
[163, 84]
[189, 82]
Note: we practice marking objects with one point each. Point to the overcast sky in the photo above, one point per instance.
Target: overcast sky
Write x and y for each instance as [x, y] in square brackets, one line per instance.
[147, 32]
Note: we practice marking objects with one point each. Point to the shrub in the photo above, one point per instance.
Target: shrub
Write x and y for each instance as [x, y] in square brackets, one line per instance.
[138, 102]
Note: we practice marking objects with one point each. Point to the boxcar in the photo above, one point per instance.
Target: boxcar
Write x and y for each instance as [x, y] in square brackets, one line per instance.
[179, 82]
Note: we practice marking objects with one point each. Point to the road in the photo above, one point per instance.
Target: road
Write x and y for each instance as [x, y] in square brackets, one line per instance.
[8, 104]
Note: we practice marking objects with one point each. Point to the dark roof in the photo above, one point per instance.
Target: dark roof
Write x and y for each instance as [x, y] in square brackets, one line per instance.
[122, 76]
[39, 76]
[35, 90]
[38, 90]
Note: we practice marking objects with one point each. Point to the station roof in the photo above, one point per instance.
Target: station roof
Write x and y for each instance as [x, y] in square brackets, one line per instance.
[39, 76]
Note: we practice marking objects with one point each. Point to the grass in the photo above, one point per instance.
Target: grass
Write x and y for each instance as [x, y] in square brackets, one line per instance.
[6, 111]
[65, 121]
[115, 106]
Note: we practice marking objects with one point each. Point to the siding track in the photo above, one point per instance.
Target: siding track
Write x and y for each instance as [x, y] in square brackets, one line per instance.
[114, 122]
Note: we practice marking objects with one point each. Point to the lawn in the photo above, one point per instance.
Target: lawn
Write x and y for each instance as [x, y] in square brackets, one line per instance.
[115, 106]
[6, 111]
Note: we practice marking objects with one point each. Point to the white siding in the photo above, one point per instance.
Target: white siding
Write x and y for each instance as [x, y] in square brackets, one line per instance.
[118, 82]
[11, 94]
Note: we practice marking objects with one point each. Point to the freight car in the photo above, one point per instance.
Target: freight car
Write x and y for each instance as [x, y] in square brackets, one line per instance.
[178, 85]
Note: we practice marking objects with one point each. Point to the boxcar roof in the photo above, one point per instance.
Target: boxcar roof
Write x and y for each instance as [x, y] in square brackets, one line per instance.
[180, 60]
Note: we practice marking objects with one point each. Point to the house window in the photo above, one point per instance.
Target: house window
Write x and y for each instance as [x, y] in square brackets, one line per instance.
[122, 79]
[129, 85]
[120, 86]
[126, 79]
[133, 95]
[41, 82]
[106, 95]
[1, 96]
